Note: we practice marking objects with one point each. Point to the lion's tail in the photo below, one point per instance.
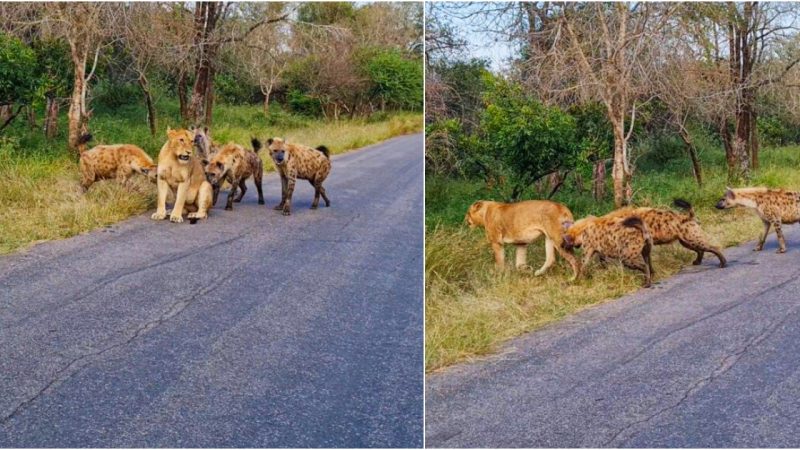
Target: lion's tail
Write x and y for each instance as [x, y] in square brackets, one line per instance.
[82, 141]
[325, 151]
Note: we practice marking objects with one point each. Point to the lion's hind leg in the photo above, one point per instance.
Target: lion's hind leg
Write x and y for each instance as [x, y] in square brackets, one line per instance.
[204, 201]
[550, 256]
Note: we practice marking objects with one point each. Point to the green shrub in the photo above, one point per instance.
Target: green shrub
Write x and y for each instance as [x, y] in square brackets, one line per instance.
[397, 81]
[301, 103]
[18, 77]
[113, 95]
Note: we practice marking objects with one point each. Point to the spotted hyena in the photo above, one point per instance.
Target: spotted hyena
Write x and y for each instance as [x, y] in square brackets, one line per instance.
[624, 239]
[773, 206]
[119, 161]
[235, 164]
[295, 161]
[667, 226]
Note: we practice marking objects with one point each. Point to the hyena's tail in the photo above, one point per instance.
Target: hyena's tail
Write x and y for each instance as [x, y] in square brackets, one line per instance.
[684, 205]
[636, 222]
[256, 144]
[82, 141]
[325, 151]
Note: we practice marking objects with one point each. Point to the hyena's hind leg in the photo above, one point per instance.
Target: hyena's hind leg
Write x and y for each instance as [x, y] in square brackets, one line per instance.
[242, 190]
[781, 238]
[643, 265]
[761, 241]
[701, 248]
[257, 180]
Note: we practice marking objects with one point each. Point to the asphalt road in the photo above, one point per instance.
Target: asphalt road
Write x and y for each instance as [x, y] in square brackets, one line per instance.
[708, 358]
[249, 329]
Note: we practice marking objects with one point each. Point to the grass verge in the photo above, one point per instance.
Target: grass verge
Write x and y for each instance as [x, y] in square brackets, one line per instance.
[471, 309]
[41, 199]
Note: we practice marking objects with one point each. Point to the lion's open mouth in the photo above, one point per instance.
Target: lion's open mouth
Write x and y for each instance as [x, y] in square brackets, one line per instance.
[183, 157]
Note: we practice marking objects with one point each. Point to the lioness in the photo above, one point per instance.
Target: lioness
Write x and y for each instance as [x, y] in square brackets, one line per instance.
[113, 161]
[521, 224]
[181, 172]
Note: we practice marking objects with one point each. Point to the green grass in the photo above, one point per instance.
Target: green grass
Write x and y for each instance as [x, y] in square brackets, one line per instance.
[471, 309]
[42, 200]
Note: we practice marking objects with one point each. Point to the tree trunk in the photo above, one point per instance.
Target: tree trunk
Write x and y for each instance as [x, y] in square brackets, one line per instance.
[31, 114]
[148, 102]
[184, 102]
[206, 16]
[599, 180]
[754, 145]
[51, 118]
[77, 114]
[5, 112]
[619, 172]
[692, 150]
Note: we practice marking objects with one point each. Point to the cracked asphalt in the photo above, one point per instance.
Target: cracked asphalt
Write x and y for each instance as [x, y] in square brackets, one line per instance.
[707, 358]
[249, 329]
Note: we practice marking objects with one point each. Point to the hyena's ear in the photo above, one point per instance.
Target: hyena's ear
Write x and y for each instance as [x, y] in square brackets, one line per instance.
[729, 193]
[565, 225]
[269, 141]
[205, 162]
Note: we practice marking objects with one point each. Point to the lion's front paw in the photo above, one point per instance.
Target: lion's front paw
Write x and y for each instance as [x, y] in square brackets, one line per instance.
[175, 218]
[159, 215]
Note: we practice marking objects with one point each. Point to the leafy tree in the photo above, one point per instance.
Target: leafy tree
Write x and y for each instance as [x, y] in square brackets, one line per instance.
[525, 139]
[396, 80]
[18, 78]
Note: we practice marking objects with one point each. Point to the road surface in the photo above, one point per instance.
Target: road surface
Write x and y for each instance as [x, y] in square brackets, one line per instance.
[708, 358]
[250, 329]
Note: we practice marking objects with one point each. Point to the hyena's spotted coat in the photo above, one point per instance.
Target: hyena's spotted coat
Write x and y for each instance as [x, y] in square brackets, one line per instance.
[625, 239]
[774, 206]
[667, 226]
[235, 164]
[295, 161]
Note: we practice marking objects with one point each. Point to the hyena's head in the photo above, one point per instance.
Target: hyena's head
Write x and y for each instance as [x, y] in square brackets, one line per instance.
[476, 214]
[728, 200]
[150, 171]
[278, 150]
[221, 163]
[180, 143]
[573, 232]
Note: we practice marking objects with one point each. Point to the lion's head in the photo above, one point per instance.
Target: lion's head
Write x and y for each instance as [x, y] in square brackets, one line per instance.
[180, 142]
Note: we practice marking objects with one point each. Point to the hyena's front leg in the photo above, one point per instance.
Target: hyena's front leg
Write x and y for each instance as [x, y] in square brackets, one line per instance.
[760, 245]
[161, 206]
[781, 239]
[279, 206]
[231, 193]
[287, 207]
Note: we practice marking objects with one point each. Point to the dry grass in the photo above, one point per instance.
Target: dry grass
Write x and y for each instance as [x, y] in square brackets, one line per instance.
[42, 200]
[471, 309]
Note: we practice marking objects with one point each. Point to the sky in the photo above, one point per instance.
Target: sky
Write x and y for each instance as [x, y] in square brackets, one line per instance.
[482, 45]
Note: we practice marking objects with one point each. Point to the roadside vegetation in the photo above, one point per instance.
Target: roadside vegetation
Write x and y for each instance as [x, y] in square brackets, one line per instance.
[339, 74]
[528, 133]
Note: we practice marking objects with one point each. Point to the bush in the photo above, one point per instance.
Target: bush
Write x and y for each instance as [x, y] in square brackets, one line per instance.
[301, 103]
[524, 139]
[396, 80]
[114, 95]
[18, 76]
[233, 91]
